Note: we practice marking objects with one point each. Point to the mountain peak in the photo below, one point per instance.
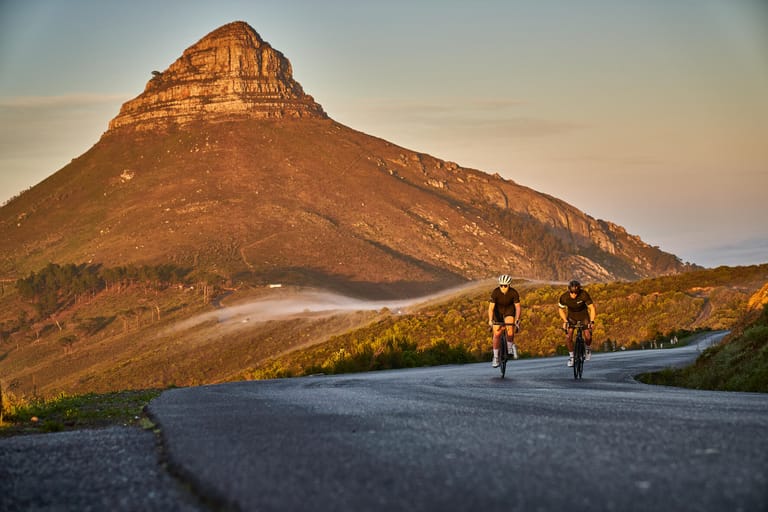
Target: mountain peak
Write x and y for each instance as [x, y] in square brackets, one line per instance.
[231, 73]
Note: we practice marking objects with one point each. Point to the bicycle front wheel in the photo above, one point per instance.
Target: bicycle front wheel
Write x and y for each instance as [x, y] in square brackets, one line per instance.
[503, 355]
[578, 358]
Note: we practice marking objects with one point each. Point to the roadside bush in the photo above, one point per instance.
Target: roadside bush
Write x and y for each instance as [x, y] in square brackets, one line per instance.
[739, 364]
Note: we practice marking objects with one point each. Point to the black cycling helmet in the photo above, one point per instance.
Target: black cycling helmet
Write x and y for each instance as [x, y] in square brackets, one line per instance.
[574, 286]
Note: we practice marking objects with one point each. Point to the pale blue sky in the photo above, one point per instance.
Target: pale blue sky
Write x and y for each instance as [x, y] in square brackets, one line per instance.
[651, 114]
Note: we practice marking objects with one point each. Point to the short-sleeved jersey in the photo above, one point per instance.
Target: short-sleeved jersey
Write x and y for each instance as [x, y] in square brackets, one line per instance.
[504, 303]
[577, 306]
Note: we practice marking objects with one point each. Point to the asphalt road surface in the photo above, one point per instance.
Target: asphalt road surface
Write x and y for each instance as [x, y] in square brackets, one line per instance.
[461, 438]
[446, 438]
[115, 469]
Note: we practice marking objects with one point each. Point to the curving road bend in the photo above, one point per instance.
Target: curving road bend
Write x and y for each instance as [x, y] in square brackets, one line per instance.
[459, 438]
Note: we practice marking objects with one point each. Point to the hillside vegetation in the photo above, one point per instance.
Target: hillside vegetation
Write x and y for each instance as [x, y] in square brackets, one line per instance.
[151, 328]
[739, 363]
[642, 314]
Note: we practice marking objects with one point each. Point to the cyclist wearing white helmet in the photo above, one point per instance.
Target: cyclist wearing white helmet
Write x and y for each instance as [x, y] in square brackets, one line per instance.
[504, 308]
[576, 305]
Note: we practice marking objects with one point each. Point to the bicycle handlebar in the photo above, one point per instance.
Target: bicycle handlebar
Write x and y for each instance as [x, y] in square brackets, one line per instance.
[516, 325]
[578, 324]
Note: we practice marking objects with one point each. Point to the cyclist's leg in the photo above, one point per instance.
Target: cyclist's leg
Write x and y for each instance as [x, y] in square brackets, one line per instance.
[569, 338]
[587, 334]
[496, 337]
[510, 327]
[496, 344]
[569, 341]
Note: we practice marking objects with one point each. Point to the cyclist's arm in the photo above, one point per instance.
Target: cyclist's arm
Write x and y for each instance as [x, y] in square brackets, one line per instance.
[491, 307]
[563, 312]
[592, 312]
[517, 312]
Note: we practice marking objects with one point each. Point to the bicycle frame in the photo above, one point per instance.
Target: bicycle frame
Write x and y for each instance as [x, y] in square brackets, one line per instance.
[503, 352]
[579, 350]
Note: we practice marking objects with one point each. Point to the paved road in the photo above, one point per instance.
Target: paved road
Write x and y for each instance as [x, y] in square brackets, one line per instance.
[447, 438]
[115, 469]
[460, 438]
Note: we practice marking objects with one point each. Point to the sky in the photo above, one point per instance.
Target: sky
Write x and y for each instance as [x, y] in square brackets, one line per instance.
[650, 114]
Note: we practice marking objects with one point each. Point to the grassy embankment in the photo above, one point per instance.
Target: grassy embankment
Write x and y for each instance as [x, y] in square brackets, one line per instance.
[739, 363]
[74, 412]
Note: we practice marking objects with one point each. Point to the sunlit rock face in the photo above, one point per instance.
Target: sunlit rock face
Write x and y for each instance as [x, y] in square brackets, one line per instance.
[230, 73]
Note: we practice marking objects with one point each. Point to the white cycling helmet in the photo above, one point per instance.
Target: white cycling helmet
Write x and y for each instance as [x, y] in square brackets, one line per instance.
[505, 280]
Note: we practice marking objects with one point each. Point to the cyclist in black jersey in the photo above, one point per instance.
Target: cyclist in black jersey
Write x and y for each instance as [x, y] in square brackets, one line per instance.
[576, 305]
[504, 308]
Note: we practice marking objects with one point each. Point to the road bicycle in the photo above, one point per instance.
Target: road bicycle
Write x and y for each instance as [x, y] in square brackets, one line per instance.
[503, 351]
[579, 350]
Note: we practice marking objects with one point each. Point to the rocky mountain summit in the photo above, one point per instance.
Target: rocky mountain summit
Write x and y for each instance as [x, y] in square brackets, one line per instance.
[225, 166]
[230, 72]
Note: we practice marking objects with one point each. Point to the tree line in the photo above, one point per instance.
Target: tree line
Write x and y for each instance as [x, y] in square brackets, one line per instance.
[57, 286]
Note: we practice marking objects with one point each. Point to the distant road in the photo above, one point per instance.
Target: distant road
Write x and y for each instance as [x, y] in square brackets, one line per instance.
[460, 438]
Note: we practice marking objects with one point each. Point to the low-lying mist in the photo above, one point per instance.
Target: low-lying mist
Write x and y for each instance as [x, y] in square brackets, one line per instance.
[287, 303]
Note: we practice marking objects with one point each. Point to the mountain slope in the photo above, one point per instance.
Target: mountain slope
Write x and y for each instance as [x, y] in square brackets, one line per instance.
[224, 165]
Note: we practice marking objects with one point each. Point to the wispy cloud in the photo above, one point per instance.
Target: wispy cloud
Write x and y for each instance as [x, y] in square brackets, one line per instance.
[749, 251]
[620, 164]
[494, 117]
[62, 101]
[524, 126]
[441, 106]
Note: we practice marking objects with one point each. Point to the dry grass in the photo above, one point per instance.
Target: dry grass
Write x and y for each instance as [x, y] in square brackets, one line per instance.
[75, 412]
